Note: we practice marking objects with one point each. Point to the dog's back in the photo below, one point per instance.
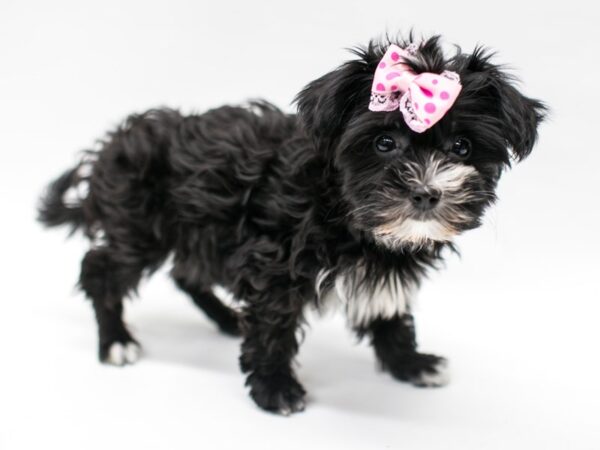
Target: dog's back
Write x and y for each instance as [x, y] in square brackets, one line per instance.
[161, 170]
[198, 186]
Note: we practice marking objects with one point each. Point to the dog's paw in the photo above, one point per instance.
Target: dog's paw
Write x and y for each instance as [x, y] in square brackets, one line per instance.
[120, 353]
[278, 393]
[421, 370]
[436, 375]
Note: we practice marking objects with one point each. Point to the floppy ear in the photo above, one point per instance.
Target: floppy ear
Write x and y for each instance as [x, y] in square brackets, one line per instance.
[327, 104]
[519, 115]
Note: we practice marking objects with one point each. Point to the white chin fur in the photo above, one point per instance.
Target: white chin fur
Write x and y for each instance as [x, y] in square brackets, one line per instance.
[413, 232]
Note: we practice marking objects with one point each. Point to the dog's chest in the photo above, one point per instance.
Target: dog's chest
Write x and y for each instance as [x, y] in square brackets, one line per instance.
[363, 304]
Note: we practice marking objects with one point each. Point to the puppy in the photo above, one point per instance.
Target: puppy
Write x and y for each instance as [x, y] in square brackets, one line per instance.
[351, 200]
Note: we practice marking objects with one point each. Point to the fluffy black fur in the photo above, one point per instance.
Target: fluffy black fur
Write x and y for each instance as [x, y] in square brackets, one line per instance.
[276, 207]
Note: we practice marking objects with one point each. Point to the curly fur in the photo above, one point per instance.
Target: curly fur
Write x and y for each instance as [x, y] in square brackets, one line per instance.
[282, 208]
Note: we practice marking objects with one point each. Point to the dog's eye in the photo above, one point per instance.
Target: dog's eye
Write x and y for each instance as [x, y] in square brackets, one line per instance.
[385, 143]
[461, 148]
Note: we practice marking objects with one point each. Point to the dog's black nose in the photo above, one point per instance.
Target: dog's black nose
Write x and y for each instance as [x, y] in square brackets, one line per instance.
[425, 199]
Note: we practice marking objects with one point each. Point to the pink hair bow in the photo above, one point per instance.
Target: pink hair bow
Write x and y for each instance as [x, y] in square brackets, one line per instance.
[422, 98]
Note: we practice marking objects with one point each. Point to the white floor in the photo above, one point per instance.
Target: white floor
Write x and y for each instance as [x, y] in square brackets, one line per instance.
[523, 376]
[517, 316]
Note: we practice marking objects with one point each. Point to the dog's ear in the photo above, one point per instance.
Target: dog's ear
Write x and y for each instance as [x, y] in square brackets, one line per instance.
[519, 115]
[327, 104]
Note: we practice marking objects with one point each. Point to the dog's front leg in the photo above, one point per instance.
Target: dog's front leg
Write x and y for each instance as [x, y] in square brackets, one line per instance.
[270, 344]
[394, 341]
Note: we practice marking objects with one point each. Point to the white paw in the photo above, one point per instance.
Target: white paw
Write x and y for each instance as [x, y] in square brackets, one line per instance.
[439, 377]
[120, 354]
[287, 410]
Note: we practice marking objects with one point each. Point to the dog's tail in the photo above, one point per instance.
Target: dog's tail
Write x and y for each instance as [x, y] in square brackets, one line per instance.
[61, 202]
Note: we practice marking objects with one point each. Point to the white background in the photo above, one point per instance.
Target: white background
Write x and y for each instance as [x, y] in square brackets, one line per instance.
[517, 316]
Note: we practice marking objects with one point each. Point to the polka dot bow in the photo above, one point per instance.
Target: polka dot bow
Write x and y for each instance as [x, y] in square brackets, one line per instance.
[422, 98]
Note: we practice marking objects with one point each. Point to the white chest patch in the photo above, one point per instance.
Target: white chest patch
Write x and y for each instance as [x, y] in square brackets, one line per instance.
[362, 305]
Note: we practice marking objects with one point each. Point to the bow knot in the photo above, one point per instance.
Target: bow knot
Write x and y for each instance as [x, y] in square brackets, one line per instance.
[422, 98]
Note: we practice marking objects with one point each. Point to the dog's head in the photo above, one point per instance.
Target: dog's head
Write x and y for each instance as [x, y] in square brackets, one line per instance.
[405, 188]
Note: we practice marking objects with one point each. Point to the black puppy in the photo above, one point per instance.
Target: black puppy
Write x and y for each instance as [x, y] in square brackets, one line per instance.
[337, 203]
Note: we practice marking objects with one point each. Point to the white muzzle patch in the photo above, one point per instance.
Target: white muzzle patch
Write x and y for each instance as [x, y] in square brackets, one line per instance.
[449, 179]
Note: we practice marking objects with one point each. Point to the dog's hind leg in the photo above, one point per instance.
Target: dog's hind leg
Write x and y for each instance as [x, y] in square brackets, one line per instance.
[106, 278]
[226, 318]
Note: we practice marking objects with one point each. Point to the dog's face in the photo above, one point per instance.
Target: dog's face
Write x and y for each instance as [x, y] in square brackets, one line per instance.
[409, 189]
